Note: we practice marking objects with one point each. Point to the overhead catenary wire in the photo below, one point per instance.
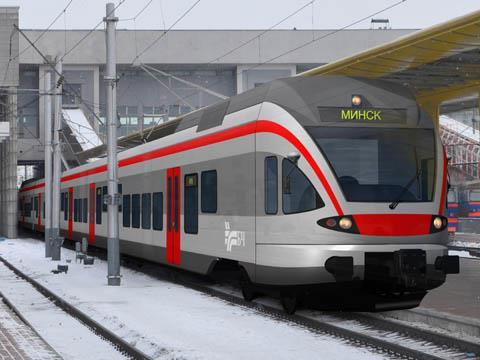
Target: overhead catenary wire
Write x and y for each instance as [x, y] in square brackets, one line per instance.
[165, 32]
[333, 32]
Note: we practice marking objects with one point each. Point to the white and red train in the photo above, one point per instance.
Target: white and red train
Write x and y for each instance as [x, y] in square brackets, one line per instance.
[302, 182]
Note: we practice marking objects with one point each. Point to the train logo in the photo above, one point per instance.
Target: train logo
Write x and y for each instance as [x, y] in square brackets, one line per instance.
[233, 237]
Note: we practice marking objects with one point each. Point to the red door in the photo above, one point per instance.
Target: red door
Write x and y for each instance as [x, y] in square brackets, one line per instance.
[173, 216]
[91, 214]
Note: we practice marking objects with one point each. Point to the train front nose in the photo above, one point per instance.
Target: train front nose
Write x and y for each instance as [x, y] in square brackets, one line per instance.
[408, 265]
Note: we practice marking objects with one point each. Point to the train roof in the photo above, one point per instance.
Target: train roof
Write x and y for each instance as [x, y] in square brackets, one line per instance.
[294, 93]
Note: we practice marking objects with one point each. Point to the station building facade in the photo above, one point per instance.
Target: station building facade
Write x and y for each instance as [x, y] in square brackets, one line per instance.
[202, 58]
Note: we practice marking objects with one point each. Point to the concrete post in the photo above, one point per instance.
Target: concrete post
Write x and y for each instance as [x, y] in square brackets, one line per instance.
[11, 181]
[57, 162]
[113, 246]
[48, 163]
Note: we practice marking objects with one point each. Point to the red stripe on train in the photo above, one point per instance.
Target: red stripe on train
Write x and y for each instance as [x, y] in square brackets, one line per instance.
[260, 126]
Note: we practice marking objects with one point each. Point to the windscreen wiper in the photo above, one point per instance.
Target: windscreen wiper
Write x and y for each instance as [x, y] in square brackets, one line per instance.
[395, 203]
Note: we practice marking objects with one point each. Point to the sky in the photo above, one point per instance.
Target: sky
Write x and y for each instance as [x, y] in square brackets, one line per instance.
[244, 14]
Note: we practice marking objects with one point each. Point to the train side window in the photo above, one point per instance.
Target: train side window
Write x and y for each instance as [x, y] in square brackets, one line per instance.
[157, 211]
[191, 204]
[62, 201]
[85, 210]
[298, 194]
[105, 193]
[136, 211]
[65, 214]
[271, 185]
[209, 191]
[126, 210]
[120, 191]
[146, 210]
[43, 209]
[75, 210]
[35, 206]
[98, 206]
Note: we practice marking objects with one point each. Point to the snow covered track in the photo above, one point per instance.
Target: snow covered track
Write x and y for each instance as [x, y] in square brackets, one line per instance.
[119, 347]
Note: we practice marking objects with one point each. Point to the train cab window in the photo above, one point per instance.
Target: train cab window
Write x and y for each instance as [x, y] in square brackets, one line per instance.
[191, 204]
[126, 210]
[298, 194]
[157, 211]
[35, 206]
[85, 210]
[136, 211]
[271, 185]
[209, 191]
[104, 204]
[98, 206]
[146, 211]
[43, 209]
[62, 201]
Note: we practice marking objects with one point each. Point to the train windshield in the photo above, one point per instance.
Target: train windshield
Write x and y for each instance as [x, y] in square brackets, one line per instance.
[380, 164]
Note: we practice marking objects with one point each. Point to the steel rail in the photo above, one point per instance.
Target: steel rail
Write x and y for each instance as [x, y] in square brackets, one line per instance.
[97, 328]
[203, 285]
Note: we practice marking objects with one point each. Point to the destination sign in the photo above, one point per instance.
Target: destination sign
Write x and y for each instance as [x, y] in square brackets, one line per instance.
[362, 115]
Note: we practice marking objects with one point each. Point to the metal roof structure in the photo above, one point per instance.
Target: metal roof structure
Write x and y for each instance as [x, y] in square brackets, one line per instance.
[439, 63]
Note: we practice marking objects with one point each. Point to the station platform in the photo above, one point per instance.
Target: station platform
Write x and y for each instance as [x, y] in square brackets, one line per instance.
[19, 341]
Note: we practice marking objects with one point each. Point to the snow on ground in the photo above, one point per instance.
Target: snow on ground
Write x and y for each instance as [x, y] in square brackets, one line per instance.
[70, 338]
[462, 254]
[167, 321]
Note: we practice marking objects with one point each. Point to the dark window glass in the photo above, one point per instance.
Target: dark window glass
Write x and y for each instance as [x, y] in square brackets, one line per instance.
[65, 214]
[43, 209]
[191, 204]
[62, 201]
[380, 164]
[298, 193]
[126, 210]
[271, 185]
[120, 191]
[85, 210]
[146, 210]
[157, 211]
[209, 191]
[105, 193]
[136, 211]
[98, 206]
[75, 210]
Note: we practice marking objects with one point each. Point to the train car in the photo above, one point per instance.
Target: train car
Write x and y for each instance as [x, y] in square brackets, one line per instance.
[306, 182]
[473, 203]
[452, 210]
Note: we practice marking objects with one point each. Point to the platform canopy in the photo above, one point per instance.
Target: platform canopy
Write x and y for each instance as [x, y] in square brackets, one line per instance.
[439, 64]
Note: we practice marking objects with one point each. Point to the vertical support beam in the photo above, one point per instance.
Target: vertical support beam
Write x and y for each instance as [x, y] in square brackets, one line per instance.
[113, 246]
[57, 161]
[2, 189]
[11, 181]
[48, 164]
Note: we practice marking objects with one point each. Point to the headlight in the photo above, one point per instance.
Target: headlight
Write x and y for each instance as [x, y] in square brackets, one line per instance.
[438, 223]
[345, 223]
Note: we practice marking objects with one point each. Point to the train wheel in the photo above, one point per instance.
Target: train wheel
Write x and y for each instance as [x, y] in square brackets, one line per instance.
[248, 291]
[289, 302]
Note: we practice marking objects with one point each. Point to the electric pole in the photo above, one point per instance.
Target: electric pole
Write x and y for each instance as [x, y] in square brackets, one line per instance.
[57, 161]
[48, 164]
[113, 198]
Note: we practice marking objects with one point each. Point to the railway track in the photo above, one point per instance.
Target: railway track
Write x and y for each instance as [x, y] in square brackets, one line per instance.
[394, 339]
[98, 329]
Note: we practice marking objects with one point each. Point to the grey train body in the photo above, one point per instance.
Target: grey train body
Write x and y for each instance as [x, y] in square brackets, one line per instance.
[274, 243]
